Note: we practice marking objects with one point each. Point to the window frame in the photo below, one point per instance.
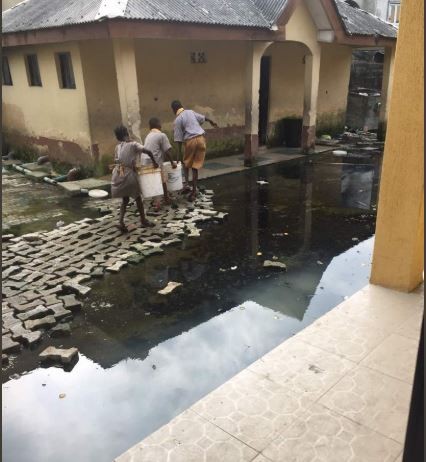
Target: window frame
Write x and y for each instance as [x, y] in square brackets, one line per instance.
[394, 11]
[33, 70]
[66, 81]
[8, 81]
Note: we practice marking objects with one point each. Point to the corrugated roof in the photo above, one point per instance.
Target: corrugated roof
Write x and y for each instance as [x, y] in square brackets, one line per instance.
[360, 22]
[41, 14]
[224, 12]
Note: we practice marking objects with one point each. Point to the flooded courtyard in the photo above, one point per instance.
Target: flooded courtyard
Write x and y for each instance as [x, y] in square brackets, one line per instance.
[145, 357]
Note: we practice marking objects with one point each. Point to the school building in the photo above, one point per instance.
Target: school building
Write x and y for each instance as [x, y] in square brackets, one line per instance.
[73, 70]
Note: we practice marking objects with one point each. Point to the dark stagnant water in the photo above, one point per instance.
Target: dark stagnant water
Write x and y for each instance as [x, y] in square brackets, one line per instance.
[144, 358]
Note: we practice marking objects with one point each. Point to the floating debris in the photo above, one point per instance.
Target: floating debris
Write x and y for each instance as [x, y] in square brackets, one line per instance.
[62, 395]
[319, 262]
[262, 182]
[275, 265]
[171, 286]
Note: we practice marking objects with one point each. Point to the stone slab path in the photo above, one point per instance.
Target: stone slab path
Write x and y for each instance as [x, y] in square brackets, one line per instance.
[44, 273]
[338, 391]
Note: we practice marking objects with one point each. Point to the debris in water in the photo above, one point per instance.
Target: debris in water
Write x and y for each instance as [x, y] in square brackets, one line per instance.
[154, 367]
[355, 239]
[262, 182]
[274, 258]
[233, 268]
[62, 396]
[285, 234]
[60, 223]
[259, 254]
[171, 286]
[242, 307]
[319, 262]
[274, 265]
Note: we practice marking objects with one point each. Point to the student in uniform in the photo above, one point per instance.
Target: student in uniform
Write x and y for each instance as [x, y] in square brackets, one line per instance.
[157, 142]
[188, 131]
[124, 181]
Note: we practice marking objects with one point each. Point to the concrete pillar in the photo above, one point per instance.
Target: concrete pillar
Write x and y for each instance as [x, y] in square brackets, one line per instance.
[127, 82]
[388, 66]
[312, 74]
[398, 256]
[252, 87]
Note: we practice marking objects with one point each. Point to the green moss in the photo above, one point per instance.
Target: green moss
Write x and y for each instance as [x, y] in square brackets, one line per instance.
[24, 154]
[332, 123]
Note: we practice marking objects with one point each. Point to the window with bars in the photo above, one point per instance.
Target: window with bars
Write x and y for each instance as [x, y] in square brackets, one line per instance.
[6, 76]
[33, 71]
[65, 71]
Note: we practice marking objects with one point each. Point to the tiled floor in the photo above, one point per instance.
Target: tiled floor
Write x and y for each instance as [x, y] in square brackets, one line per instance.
[338, 391]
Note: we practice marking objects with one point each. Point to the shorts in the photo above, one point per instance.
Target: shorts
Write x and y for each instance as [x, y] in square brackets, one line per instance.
[195, 152]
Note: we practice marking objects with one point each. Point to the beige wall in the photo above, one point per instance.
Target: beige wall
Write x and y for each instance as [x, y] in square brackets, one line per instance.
[215, 88]
[102, 94]
[333, 86]
[52, 119]
[6, 4]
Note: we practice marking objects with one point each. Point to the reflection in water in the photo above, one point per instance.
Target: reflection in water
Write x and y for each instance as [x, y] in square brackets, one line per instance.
[146, 357]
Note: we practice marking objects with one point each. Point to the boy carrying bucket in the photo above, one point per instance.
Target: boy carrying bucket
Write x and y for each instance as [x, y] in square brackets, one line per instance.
[157, 142]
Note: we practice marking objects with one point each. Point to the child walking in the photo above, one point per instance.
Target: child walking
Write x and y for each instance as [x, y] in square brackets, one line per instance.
[124, 181]
[157, 142]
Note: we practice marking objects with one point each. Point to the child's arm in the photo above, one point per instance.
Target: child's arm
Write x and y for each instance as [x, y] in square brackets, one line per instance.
[150, 155]
[169, 156]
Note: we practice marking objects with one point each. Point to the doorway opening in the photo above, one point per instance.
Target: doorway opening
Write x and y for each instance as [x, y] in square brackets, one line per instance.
[265, 75]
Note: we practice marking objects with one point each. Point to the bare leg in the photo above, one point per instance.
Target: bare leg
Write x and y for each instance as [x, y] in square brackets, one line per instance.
[144, 221]
[124, 204]
[166, 194]
[193, 194]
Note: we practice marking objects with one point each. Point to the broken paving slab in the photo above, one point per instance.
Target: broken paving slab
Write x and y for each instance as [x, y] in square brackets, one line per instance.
[71, 303]
[31, 338]
[39, 311]
[276, 265]
[61, 330]
[62, 355]
[171, 286]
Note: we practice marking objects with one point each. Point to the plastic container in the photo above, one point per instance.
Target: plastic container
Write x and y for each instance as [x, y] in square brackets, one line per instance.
[174, 176]
[339, 153]
[150, 182]
[98, 193]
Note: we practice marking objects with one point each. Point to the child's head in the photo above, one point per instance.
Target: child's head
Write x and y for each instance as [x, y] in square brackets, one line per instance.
[154, 122]
[176, 105]
[121, 133]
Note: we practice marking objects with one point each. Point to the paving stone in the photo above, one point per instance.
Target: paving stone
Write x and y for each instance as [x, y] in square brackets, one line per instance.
[59, 312]
[32, 338]
[8, 345]
[10, 270]
[71, 303]
[64, 356]
[4, 357]
[39, 312]
[136, 259]
[97, 272]
[8, 321]
[153, 251]
[7, 237]
[51, 300]
[116, 267]
[54, 290]
[47, 321]
[18, 331]
[76, 288]
[61, 330]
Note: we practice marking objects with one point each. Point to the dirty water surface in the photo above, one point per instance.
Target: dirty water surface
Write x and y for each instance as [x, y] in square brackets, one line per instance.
[145, 357]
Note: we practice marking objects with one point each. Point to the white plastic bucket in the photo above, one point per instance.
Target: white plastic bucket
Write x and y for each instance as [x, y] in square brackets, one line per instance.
[150, 182]
[174, 176]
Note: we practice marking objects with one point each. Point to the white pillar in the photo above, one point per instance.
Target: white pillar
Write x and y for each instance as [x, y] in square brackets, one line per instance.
[312, 74]
[127, 82]
[386, 90]
[252, 87]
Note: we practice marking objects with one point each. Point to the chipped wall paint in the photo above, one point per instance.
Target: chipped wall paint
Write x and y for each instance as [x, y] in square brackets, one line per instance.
[48, 111]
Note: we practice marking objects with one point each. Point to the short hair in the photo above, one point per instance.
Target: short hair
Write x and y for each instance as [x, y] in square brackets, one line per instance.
[154, 122]
[121, 132]
[176, 105]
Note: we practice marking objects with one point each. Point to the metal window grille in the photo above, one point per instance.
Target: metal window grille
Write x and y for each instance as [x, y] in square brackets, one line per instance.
[33, 70]
[6, 77]
[66, 71]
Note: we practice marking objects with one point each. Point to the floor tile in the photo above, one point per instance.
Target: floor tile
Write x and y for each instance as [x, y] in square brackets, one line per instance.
[339, 334]
[302, 368]
[252, 408]
[411, 327]
[325, 436]
[395, 356]
[375, 304]
[372, 399]
[189, 438]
